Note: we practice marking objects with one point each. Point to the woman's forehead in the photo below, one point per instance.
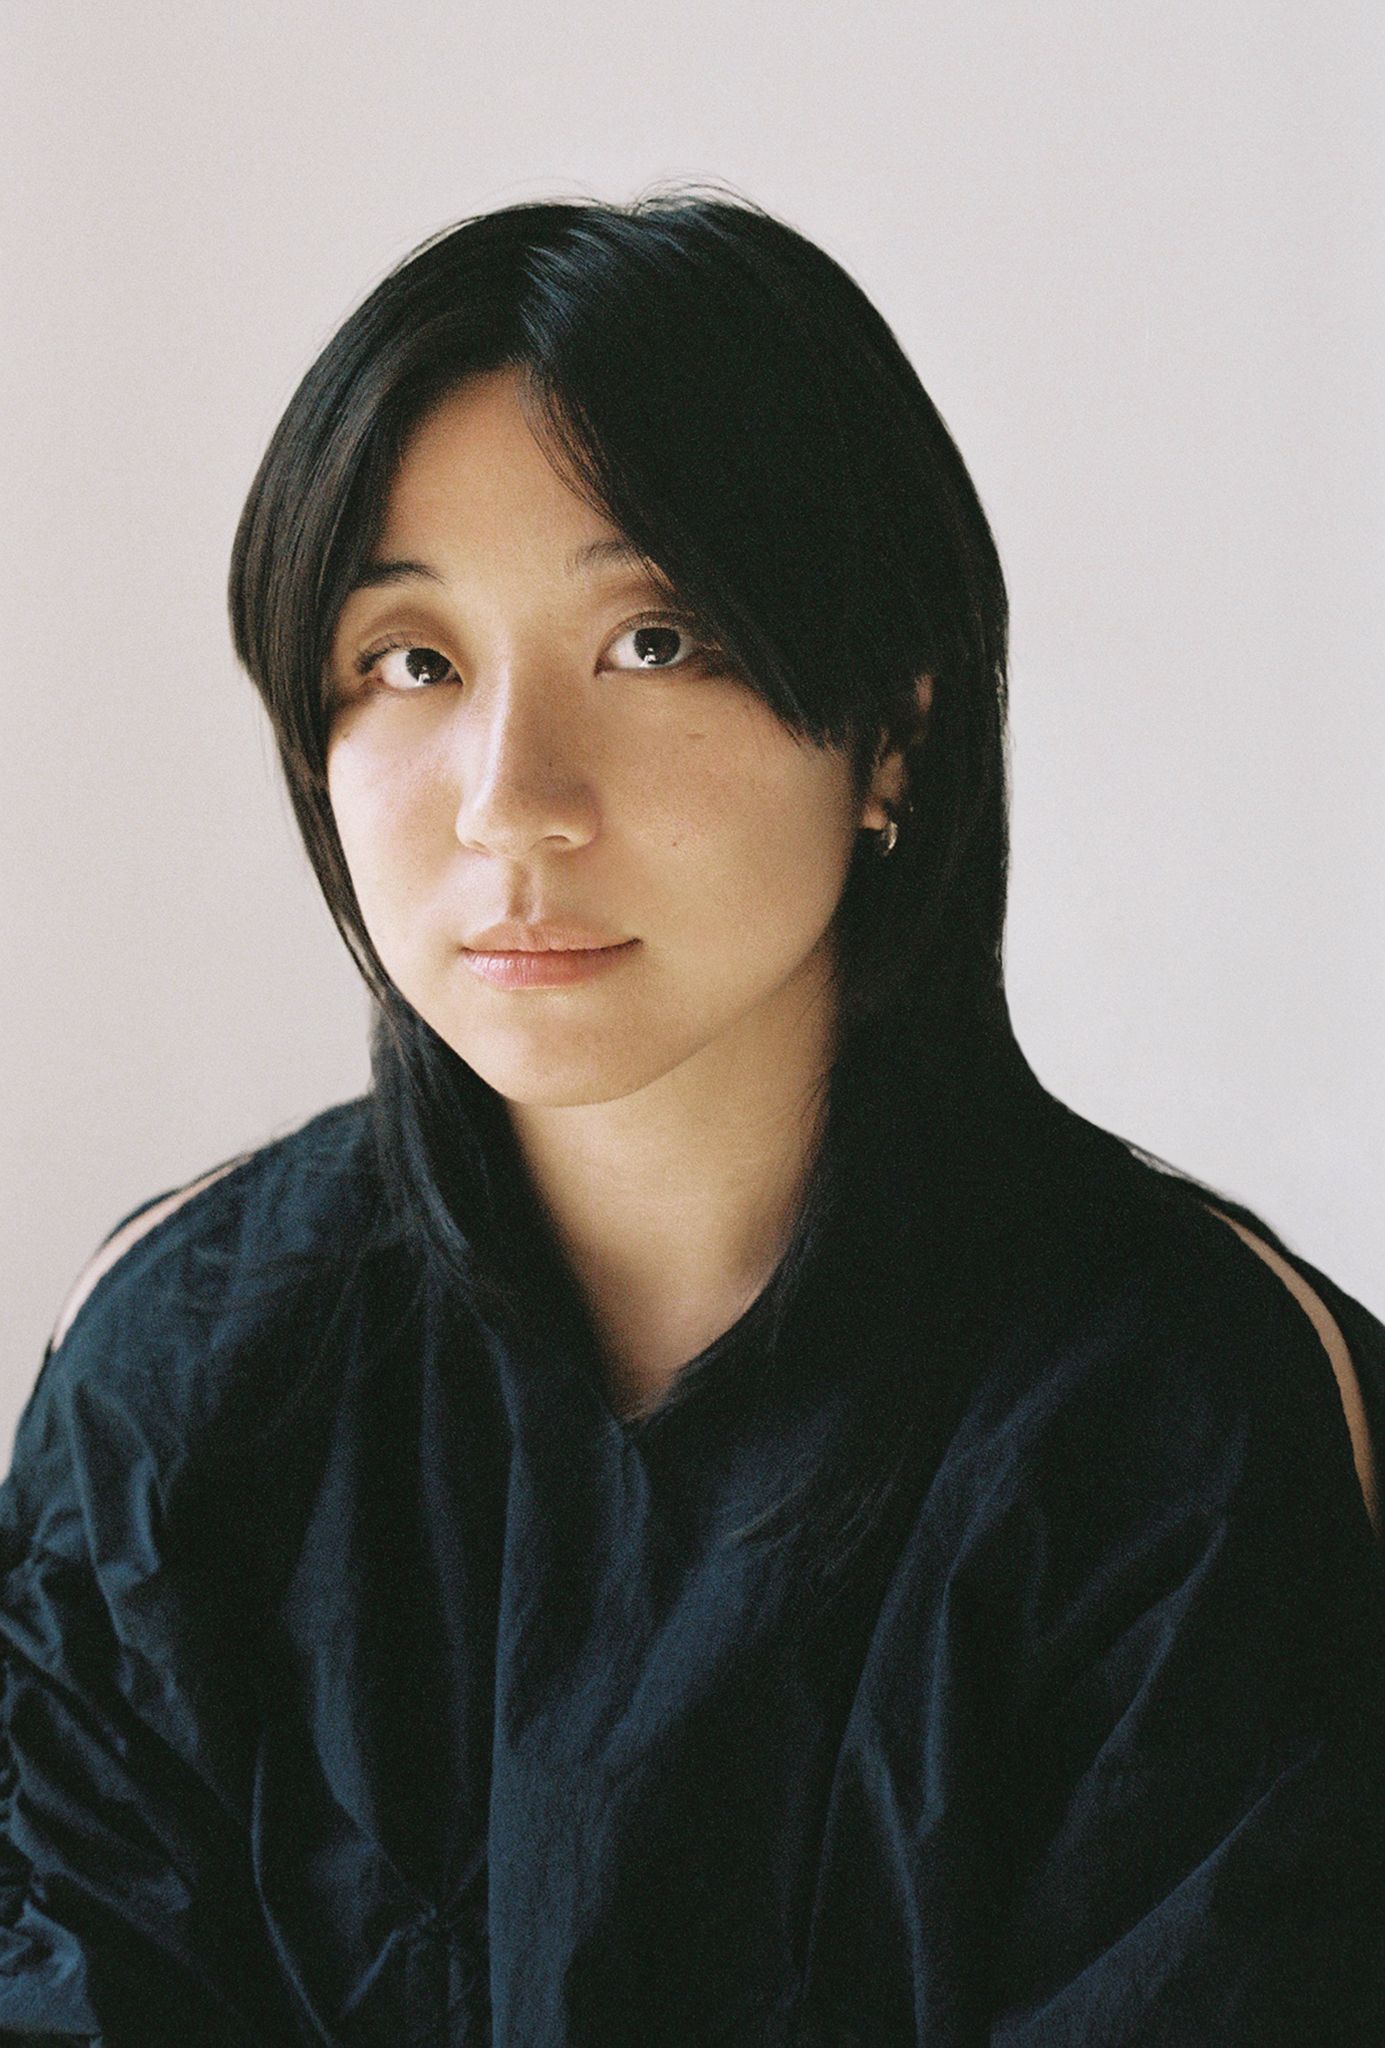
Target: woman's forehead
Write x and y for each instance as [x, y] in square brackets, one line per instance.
[473, 476]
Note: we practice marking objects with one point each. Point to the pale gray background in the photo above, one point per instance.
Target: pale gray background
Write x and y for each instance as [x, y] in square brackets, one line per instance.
[1135, 252]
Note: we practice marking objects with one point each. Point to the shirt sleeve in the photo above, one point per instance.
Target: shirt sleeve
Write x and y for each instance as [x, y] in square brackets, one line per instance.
[128, 1911]
[1200, 1833]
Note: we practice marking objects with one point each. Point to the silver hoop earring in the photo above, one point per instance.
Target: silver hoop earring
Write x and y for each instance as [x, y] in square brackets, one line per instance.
[888, 839]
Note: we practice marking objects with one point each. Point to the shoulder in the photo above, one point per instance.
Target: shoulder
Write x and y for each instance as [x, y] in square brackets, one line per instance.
[286, 1196]
[124, 1237]
[1163, 1427]
[1169, 1358]
[1346, 1369]
[190, 1306]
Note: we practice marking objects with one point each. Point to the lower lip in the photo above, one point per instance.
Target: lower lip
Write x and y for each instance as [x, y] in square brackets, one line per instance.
[545, 970]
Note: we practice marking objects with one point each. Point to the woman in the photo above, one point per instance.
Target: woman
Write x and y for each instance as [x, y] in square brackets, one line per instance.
[708, 1507]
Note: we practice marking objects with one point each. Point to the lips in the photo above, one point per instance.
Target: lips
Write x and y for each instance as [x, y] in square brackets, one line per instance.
[540, 967]
[547, 936]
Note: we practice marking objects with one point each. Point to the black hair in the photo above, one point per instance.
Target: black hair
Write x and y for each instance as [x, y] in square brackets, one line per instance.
[724, 392]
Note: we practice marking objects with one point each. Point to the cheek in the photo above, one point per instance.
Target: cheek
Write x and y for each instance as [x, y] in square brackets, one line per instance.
[763, 837]
[380, 816]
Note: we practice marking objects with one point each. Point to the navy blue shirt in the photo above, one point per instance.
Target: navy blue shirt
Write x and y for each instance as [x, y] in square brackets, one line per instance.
[369, 1680]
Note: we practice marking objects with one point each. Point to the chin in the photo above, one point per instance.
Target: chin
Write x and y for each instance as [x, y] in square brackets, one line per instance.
[563, 1080]
[561, 1092]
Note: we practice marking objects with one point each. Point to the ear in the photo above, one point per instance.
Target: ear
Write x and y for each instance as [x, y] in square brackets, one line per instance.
[889, 777]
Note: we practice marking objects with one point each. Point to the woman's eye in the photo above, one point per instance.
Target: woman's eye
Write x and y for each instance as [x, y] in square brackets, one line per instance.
[655, 643]
[405, 669]
[663, 643]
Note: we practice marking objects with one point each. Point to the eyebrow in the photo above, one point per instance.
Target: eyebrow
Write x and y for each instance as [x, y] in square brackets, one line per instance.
[591, 555]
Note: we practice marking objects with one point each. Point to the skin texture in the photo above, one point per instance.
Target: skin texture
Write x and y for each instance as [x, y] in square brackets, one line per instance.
[535, 769]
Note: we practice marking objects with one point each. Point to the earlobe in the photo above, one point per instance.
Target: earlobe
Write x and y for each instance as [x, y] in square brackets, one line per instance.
[886, 790]
[890, 778]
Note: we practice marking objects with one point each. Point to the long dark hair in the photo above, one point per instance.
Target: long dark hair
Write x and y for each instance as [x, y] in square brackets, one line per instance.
[728, 397]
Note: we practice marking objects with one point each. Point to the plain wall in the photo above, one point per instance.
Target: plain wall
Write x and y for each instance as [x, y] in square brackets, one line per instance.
[1134, 252]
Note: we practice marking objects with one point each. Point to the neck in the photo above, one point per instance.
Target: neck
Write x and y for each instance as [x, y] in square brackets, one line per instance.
[675, 1204]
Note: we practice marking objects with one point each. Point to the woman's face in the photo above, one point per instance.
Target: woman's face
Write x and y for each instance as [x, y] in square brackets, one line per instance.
[526, 732]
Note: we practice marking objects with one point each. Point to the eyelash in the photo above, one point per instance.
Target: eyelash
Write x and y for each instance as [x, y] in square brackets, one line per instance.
[707, 655]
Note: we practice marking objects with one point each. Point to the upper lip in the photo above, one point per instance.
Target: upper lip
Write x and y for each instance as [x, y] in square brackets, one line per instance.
[540, 938]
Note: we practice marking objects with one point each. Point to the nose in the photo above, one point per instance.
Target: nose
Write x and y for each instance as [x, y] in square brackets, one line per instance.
[521, 768]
